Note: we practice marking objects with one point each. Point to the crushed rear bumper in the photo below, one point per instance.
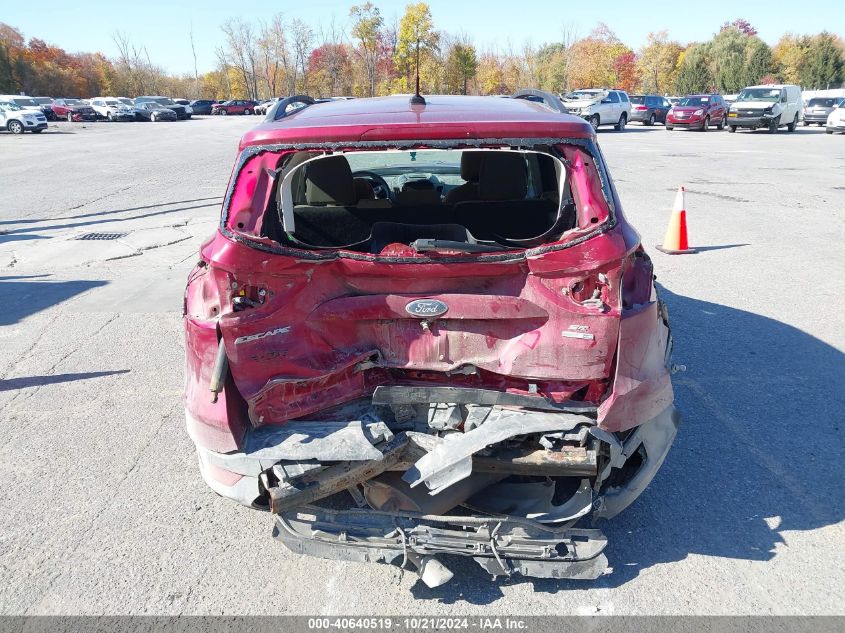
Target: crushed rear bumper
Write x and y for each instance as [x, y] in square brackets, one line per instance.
[503, 546]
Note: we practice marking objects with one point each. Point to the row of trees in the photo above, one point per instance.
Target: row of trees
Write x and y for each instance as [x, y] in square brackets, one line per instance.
[368, 55]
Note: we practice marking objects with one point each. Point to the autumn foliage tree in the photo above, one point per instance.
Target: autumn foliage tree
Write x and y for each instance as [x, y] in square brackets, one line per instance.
[367, 55]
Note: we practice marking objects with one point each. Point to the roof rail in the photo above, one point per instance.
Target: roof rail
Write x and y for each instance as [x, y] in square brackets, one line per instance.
[541, 96]
[281, 108]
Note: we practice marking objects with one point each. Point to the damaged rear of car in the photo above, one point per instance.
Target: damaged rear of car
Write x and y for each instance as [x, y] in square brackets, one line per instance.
[425, 330]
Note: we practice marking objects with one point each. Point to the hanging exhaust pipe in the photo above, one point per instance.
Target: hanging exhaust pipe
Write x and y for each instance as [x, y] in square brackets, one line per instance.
[218, 374]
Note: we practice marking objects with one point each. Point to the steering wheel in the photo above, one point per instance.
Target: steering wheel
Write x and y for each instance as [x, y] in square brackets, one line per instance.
[381, 189]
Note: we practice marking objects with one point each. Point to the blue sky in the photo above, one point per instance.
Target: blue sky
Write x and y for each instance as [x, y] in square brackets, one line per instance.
[163, 25]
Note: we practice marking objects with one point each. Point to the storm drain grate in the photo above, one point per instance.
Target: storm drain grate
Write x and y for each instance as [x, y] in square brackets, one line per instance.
[102, 236]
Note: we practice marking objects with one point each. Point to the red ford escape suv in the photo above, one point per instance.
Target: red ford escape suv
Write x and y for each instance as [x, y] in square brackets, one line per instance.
[428, 328]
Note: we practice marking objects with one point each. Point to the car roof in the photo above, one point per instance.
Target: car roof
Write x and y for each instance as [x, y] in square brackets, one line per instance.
[442, 117]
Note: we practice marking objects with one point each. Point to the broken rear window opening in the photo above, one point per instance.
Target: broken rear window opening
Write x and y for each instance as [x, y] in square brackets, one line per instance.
[422, 201]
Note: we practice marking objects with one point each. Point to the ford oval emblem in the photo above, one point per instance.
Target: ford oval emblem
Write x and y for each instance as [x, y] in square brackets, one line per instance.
[426, 308]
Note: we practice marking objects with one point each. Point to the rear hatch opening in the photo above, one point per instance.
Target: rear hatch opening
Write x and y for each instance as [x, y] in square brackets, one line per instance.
[419, 202]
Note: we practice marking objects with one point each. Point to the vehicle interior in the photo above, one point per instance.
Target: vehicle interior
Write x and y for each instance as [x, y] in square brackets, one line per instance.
[365, 201]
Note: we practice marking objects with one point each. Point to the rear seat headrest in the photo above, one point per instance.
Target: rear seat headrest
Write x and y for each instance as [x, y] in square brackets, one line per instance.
[329, 181]
[471, 165]
[504, 176]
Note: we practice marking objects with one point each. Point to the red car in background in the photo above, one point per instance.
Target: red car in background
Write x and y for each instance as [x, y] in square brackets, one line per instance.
[698, 112]
[73, 110]
[235, 106]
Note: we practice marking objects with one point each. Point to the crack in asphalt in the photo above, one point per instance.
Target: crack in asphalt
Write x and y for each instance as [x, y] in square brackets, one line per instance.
[103, 197]
[18, 394]
[83, 534]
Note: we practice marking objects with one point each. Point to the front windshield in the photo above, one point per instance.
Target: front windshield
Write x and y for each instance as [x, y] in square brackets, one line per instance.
[10, 107]
[694, 101]
[43, 100]
[72, 102]
[113, 102]
[125, 101]
[582, 94]
[25, 102]
[769, 95]
[164, 101]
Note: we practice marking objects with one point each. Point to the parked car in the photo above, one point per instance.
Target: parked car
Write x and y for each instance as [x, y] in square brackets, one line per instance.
[18, 120]
[189, 110]
[265, 105]
[836, 119]
[771, 106]
[234, 106]
[73, 110]
[112, 109]
[152, 111]
[168, 103]
[46, 104]
[649, 109]
[698, 112]
[600, 107]
[202, 106]
[26, 103]
[499, 356]
[818, 109]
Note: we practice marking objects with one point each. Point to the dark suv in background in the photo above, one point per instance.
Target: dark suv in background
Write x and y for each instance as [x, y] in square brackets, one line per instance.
[202, 106]
[649, 109]
[168, 103]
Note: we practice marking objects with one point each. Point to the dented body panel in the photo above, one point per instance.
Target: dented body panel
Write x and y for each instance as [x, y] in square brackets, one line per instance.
[313, 370]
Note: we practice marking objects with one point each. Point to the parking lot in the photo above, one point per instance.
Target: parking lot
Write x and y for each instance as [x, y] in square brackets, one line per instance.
[104, 510]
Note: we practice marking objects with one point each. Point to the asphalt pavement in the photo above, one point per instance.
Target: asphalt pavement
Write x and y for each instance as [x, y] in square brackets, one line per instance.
[102, 509]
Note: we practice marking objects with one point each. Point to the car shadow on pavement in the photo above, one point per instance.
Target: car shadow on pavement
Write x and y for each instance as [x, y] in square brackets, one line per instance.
[111, 211]
[52, 379]
[6, 237]
[704, 249]
[21, 299]
[73, 225]
[759, 453]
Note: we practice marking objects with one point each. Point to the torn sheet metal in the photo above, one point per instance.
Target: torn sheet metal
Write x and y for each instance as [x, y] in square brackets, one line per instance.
[351, 441]
[642, 387]
[451, 461]
[325, 441]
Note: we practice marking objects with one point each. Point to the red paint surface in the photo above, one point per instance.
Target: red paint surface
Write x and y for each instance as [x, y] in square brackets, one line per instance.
[331, 331]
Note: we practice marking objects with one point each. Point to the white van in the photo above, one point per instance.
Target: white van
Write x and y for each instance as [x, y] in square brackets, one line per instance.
[771, 106]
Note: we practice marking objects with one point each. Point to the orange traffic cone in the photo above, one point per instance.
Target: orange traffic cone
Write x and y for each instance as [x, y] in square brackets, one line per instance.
[675, 242]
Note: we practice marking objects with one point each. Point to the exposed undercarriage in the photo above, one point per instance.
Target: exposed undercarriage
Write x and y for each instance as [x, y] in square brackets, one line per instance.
[416, 472]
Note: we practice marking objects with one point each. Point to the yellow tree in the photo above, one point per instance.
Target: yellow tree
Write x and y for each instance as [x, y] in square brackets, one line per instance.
[490, 76]
[592, 59]
[658, 63]
[416, 42]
